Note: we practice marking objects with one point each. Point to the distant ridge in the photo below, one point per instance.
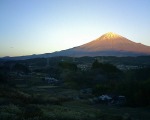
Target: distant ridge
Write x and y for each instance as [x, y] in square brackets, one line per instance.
[109, 44]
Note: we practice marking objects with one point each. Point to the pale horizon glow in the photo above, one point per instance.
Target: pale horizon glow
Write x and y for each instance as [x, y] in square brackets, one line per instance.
[43, 26]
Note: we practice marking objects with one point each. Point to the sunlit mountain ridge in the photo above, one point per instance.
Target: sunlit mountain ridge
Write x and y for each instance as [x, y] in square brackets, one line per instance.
[114, 42]
[109, 44]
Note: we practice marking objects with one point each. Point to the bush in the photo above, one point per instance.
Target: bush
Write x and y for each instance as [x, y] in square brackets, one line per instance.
[10, 112]
[10, 109]
[3, 78]
[8, 116]
[32, 111]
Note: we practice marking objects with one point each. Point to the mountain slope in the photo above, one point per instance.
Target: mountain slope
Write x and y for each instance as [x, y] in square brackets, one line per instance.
[109, 44]
[114, 42]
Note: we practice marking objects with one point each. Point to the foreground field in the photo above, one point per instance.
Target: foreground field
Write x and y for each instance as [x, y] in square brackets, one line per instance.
[57, 103]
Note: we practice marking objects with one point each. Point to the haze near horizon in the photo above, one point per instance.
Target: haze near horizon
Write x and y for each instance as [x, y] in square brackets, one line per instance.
[43, 26]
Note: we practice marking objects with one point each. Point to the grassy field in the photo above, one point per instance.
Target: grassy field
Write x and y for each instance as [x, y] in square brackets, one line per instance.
[83, 105]
[57, 103]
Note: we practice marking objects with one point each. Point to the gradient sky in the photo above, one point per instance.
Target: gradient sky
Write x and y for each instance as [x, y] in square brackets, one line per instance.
[43, 26]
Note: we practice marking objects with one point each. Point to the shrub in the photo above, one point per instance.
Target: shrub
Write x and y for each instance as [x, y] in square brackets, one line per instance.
[8, 116]
[10, 109]
[10, 112]
[33, 111]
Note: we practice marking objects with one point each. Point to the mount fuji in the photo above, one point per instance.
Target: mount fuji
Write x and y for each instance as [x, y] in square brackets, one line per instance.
[109, 44]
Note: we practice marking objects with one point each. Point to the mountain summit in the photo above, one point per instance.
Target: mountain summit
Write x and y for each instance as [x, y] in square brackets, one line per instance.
[110, 35]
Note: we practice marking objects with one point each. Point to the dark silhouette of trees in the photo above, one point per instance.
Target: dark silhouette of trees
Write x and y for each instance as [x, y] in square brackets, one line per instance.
[21, 68]
[68, 65]
[3, 77]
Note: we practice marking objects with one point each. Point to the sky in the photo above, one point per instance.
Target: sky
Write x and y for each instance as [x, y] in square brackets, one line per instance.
[43, 26]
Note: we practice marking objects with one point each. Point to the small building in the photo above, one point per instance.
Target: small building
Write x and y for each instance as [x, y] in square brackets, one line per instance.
[119, 100]
[108, 99]
[105, 98]
[51, 80]
[84, 67]
[86, 91]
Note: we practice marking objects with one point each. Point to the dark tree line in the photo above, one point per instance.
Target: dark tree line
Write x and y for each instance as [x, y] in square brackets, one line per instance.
[105, 78]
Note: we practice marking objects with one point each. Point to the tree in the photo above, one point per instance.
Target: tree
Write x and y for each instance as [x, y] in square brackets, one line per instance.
[3, 77]
[68, 65]
[96, 64]
[21, 68]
